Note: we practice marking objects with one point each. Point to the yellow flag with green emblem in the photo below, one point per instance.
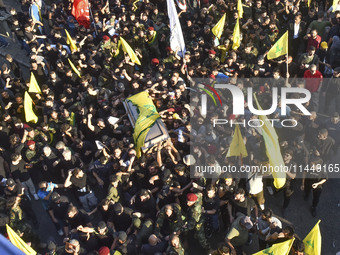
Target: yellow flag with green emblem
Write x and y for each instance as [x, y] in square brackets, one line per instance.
[28, 107]
[240, 9]
[279, 48]
[277, 249]
[34, 86]
[18, 242]
[217, 30]
[335, 5]
[236, 36]
[127, 48]
[146, 118]
[237, 147]
[70, 42]
[273, 150]
[312, 241]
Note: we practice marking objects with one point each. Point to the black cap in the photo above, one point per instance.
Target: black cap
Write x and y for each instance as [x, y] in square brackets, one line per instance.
[337, 69]
[55, 196]
[101, 225]
[312, 48]
[117, 207]
[10, 182]
[122, 236]
[166, 175]
[335, 115]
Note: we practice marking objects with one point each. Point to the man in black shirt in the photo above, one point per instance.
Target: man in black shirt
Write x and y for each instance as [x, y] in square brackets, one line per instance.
[243, 204]
[144, 204]
[78, 179]
[58, 211]
[121, 219]
[313, 179]
[19, 170]
[14, 189]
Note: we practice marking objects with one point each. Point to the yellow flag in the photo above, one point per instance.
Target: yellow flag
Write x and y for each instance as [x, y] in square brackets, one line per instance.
[236, 36]
[312, 241]
[74, 68]
[240, 9]
[335, 5]
[18, 242]
[127, 48]
[277, 249]
[217, 30]
[273, 150]
[308, 3]
[70, 42]
[146, 118]
[28, 107]
[237, 146]
[34, 86]
[279, 48]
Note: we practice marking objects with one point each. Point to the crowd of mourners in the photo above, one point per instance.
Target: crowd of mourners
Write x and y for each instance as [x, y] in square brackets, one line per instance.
[105, 200]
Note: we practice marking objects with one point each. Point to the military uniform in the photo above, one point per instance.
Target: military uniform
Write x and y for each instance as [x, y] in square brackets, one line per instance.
[175, 251]
[195, 222]
[15, 217]
[171, 224]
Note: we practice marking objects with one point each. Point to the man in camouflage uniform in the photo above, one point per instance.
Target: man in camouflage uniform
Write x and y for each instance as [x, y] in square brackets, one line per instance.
[169, 220]
[175, 246]
[195, 219]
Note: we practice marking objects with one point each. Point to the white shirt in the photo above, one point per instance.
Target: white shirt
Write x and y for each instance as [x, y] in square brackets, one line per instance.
[296, 30]
[255, 183]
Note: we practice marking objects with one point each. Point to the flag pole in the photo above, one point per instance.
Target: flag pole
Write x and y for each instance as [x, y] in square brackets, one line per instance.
[287, 73]
[95, 28]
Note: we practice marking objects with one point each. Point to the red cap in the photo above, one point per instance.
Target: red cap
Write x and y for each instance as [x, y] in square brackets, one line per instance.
[151, 29]
[171, 110]
[192, 197]
[212, 52]
[29, 143]
[115, 36]
[106, 38]
[168, 48]
[212, 76]
[104, 251]
[155, 61]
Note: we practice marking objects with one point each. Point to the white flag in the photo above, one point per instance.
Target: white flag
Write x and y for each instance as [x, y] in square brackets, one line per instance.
[176, 38]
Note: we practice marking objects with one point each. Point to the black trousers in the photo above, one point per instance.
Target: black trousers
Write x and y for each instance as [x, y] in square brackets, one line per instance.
[316, 192]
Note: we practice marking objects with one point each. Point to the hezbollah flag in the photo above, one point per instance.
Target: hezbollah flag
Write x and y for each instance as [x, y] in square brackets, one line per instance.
[74, 68]
[129, 50]
[29, 113]
[279, 48]
[335, 5]
[240, 9]
[217, 30]
[308, 3]
[273, 150]
[18, 242]
[277, 249]
[237, 146]
[312, 241]
[81, 11]
[147, 115]
[236, 36]
[70, 41]
[34, 86]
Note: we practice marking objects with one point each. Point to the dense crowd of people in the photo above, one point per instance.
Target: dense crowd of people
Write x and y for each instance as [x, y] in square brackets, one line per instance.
[103, 199]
